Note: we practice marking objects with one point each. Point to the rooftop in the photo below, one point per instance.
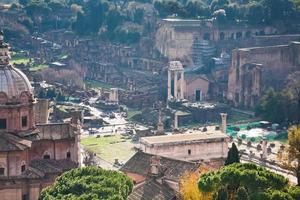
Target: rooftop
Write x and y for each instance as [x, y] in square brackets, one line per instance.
[152, 190]
[171, 169]
[186, 137]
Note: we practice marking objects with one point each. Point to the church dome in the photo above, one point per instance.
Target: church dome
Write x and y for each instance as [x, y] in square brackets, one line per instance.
[14, 85]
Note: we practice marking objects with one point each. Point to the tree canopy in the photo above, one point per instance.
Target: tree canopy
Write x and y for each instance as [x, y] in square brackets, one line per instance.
[258, 182]
[89, 183]
[290, 157]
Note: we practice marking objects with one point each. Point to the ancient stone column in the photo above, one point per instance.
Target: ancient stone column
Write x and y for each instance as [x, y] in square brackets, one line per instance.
[176, 121]
[175, 84]
[182, 85]
[224, 123]
[169, 84]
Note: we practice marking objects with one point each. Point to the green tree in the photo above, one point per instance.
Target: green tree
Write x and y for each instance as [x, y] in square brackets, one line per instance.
[242, 194]
[273, 103]
[91, 19]
[197, 9]
[113, 19]
[222, 194]
[257, 180]
[291, 156]
[233, 155]
[278, 9]
[138, 16]
[24, 2]
[89, 183]
[255, 13]
[293, 85]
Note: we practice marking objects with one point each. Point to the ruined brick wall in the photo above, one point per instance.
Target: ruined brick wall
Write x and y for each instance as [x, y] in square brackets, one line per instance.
[276, 63]
[56, 149]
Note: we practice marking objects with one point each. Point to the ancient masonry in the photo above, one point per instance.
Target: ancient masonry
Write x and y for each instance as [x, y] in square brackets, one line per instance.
[175, 69]
[255, 69]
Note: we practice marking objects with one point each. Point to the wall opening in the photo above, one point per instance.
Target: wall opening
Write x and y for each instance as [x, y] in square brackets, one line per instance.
[24, 121]
[23, 168]
[2, 170]
[2, 123]
[198, 95]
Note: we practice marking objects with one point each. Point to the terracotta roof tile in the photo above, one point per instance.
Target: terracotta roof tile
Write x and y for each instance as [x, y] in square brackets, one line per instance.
[152, 190]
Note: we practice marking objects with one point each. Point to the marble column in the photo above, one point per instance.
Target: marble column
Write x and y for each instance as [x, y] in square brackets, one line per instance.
[169, 84]
[224, 122]
[182, 85]
[176, 121]
[175, 84]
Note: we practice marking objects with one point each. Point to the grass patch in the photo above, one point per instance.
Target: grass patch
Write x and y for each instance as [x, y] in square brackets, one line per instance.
[238, 116]
[132, 113]
[20, 60]
[64, 56]
[37, 67]
[97, 84]
[110, 148]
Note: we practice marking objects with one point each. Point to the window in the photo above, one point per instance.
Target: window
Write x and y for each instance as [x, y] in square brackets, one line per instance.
[24, 197]
[189, 152]
[24, 121]
[47, 156]
[2, 171]
[2, 123]
[68, 154]
[206, 36]
[23, 168]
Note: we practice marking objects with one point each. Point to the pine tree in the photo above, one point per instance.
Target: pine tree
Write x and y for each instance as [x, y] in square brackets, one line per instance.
[222, 194]
[233, 155]
[242, 194]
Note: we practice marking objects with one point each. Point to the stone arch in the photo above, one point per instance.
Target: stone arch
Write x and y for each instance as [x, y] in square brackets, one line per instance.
[222, 36]
[24, 98]
[232, 36]
[23, 166]
[2, 169]
[239, 35]
[248, 34]
[46, 155]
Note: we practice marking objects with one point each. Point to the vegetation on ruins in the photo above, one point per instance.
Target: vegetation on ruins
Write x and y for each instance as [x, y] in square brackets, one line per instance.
[233, 155]
[241, 180]
[290, 157]
[188, 186]
[255, 12]
[110, 19]
[285, 102]
[89, 183]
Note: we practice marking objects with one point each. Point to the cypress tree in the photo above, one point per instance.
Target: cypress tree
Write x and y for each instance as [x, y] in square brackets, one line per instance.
[233, 155]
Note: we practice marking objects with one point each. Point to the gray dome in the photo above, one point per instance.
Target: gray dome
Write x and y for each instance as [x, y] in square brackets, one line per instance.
[13, 82]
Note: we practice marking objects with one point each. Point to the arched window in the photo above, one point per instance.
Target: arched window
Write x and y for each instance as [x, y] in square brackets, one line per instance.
[46, 156]
[2, 123]
[222, 36]
[239, 35]
[2, 170]
[68, 155]
[24, 121]
[23, 168]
